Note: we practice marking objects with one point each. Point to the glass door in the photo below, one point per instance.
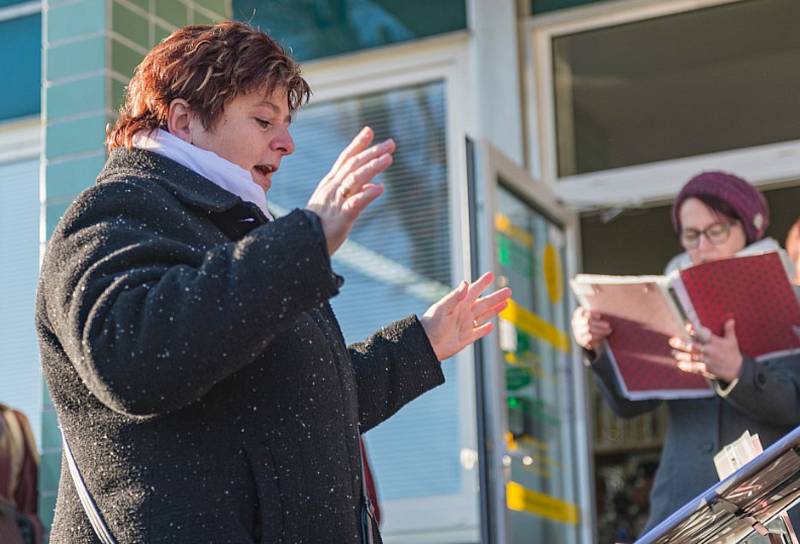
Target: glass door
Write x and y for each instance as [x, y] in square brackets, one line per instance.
[533, 388]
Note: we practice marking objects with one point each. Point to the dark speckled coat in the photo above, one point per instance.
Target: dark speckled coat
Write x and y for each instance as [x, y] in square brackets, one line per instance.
[198, 371]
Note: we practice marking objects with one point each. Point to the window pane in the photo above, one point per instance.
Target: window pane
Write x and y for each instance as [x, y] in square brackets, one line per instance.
[21, 61]
[8, 3]
[322, 28]
[20, 375]
[688, 84]
[396, 262]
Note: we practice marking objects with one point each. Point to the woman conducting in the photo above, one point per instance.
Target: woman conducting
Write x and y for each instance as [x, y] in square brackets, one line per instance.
[715, 216]
[201, 380]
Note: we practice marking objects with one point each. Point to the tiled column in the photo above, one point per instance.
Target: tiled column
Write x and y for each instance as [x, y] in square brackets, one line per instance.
[90, 50]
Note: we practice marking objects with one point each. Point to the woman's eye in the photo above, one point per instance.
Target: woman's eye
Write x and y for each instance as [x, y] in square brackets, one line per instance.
[263, 123]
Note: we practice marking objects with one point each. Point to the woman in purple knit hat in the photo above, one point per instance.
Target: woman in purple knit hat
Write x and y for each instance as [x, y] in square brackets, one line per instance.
[715, 216]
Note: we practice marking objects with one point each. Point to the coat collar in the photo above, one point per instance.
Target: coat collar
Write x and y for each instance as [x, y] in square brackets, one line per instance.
[188, 186]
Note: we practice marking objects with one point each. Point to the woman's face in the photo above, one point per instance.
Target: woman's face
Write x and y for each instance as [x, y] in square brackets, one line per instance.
[697, 217]
[253, 132]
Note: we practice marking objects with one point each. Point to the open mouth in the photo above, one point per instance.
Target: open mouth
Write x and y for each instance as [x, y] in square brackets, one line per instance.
[262, 175]
[264, 169]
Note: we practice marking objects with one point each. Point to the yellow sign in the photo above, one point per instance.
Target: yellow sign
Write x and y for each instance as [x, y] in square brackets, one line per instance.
[522, 499]
[503, 224]
[553, 274]
[529, 322]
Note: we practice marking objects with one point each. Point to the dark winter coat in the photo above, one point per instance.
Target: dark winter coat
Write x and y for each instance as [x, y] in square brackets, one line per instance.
[765, 401]
[198, 371]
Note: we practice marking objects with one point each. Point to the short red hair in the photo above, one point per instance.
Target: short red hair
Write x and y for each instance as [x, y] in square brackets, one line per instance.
[208, 66]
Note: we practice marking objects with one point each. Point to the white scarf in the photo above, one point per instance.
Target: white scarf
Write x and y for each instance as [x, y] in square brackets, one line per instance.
[227, 175]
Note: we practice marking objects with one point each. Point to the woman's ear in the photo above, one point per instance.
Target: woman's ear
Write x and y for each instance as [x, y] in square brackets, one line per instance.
[179, 120]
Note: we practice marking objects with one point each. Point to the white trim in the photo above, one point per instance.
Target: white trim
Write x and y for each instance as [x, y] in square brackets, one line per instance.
[496, 78]
[384, 68]
[20, 139]
[69, 40]
[442, 58]
[20, 10]
[623, 187]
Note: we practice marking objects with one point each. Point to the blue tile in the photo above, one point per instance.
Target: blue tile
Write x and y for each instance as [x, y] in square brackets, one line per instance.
[76, 58]
[49, 470]
[75, 97]
[47, 402]
[47, 506]
[75, 19]
[76, 136]
[53, 215]
[68, 178]
[51, 435]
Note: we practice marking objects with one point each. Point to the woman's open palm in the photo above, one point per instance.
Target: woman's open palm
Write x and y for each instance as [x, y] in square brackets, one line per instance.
[462, 316]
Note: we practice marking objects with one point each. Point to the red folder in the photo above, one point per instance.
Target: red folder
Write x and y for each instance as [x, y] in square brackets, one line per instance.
[645, 311]
[643, 317]
[755, 291]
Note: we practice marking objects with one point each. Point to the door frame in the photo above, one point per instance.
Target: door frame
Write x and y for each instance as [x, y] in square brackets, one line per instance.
[491, 164]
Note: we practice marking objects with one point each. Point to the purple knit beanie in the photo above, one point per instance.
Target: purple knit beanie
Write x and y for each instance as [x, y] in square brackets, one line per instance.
[748, 203]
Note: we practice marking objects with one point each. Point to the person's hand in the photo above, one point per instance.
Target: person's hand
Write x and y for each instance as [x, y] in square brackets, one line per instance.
[589, 329]
[712, 356]
[346, 190]
[461, 317]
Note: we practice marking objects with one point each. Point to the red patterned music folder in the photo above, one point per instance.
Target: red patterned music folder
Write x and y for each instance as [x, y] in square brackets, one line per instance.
[645, 311]
[643, 317]
[755, 291]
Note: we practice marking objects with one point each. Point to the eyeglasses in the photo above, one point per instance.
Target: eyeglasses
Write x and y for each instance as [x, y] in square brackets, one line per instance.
[717, 234]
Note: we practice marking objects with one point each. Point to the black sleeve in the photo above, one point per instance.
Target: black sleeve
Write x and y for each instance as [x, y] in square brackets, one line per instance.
[150, 323]
[393, 367]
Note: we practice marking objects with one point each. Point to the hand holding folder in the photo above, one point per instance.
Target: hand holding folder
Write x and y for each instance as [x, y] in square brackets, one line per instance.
[645, 311]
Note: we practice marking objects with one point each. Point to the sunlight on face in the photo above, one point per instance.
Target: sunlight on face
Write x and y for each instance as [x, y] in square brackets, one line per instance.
[696, 215]
[252, 132]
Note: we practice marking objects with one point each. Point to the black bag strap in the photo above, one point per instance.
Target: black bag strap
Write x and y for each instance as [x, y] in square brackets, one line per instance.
[89, 506]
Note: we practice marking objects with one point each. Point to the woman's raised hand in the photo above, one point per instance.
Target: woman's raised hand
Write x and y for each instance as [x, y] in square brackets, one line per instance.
[462, 316]
[347, 190]
[589, 329]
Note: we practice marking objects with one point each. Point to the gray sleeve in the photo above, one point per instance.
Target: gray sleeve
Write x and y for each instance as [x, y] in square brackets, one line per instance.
[607, 382]
[767, 391]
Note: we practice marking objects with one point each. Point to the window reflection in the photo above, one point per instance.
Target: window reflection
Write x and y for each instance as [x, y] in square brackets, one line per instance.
[322, 28]
[677, 86]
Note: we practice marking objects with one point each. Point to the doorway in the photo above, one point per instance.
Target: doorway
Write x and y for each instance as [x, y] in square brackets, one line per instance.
[626, 452]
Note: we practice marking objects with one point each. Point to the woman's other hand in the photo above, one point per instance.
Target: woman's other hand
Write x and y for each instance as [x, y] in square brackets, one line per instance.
[462, 316]
[589, 329]
[712, 356]
[347, 190]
